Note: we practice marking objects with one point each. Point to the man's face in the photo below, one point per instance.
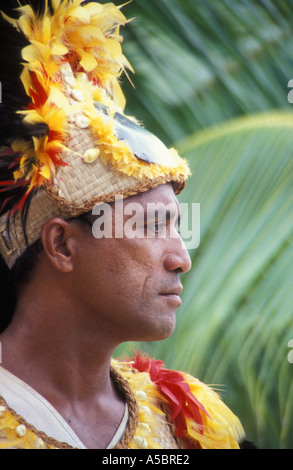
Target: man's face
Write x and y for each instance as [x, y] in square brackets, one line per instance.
[129, 285]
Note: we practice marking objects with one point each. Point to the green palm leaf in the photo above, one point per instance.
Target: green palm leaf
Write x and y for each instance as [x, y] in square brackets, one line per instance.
[199, 63]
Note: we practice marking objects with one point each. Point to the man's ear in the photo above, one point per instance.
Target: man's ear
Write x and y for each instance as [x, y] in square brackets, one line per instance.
[58, 243]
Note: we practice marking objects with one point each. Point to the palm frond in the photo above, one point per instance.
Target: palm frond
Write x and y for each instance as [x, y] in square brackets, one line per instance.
[200, 63]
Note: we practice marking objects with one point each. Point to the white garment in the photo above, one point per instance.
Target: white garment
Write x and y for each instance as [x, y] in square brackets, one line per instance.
[38, 412]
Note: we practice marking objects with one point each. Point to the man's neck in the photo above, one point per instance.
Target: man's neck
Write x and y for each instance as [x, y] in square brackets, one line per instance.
[70, 368]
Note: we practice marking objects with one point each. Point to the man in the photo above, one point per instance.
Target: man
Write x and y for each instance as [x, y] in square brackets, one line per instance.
[66, 147]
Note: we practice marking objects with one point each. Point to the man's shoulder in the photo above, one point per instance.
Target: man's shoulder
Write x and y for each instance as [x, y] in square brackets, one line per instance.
[195, 411]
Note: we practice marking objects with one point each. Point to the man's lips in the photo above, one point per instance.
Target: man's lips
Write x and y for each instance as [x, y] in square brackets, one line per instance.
[172, 294]
[175, 290]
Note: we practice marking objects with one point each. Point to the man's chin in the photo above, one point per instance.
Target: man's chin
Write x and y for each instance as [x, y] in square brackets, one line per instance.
[164, 329]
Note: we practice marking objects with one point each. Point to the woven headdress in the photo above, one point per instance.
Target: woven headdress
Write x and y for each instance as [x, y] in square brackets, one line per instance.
[65, 142]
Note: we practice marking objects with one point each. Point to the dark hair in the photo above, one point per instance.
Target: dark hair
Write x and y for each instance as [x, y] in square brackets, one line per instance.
[23, 268]
[8, 300]
[11, 281]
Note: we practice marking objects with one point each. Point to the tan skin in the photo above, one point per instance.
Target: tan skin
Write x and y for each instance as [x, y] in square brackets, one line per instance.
[86, 297]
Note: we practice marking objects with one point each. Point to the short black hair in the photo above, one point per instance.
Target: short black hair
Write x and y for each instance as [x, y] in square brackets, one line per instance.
[11, 281]
[23, 268]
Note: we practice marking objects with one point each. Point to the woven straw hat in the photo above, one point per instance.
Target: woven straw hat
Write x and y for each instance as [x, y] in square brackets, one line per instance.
[89, 151]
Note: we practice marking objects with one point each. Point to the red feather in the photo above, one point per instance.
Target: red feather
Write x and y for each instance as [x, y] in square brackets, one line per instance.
[173, 386]
[7, 152]
[39, 95]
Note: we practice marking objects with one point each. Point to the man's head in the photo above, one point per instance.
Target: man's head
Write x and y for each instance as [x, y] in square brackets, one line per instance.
[126, 287]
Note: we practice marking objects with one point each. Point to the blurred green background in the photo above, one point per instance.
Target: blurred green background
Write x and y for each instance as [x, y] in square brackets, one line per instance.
[212, 80]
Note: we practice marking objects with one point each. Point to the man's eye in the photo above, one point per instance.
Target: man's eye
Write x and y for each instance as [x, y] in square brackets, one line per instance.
[155, 228]
[159, 226]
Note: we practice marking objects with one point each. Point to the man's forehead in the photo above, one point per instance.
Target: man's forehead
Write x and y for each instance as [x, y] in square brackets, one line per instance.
[156, 204]
[162, 195]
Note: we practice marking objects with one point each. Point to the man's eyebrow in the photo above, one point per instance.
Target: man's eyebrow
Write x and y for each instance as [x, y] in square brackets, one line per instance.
[167, 214]
[173, 214]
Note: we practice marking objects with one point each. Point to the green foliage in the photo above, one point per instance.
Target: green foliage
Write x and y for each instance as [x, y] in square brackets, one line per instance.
[212, 80]
[201, 62]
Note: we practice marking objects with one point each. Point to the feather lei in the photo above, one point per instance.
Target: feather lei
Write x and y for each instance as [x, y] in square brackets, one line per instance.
[201, 419]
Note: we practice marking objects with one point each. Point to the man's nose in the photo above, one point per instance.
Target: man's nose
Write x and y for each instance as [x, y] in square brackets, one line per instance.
[177, 258]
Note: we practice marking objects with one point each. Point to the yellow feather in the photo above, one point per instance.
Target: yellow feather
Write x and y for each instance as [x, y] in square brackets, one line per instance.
[118, 96]
[30, 53]
[56, 3]
[113, 48]
[25, 26]
[58, 98]
[26, 79]
[88, 62]
[59, 49]
[222, 429]
[7, 18]
[46, 30]
[79, 13]
[45, 172]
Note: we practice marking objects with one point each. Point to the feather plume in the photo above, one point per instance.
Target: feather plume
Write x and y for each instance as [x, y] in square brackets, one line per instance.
[34, 112]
